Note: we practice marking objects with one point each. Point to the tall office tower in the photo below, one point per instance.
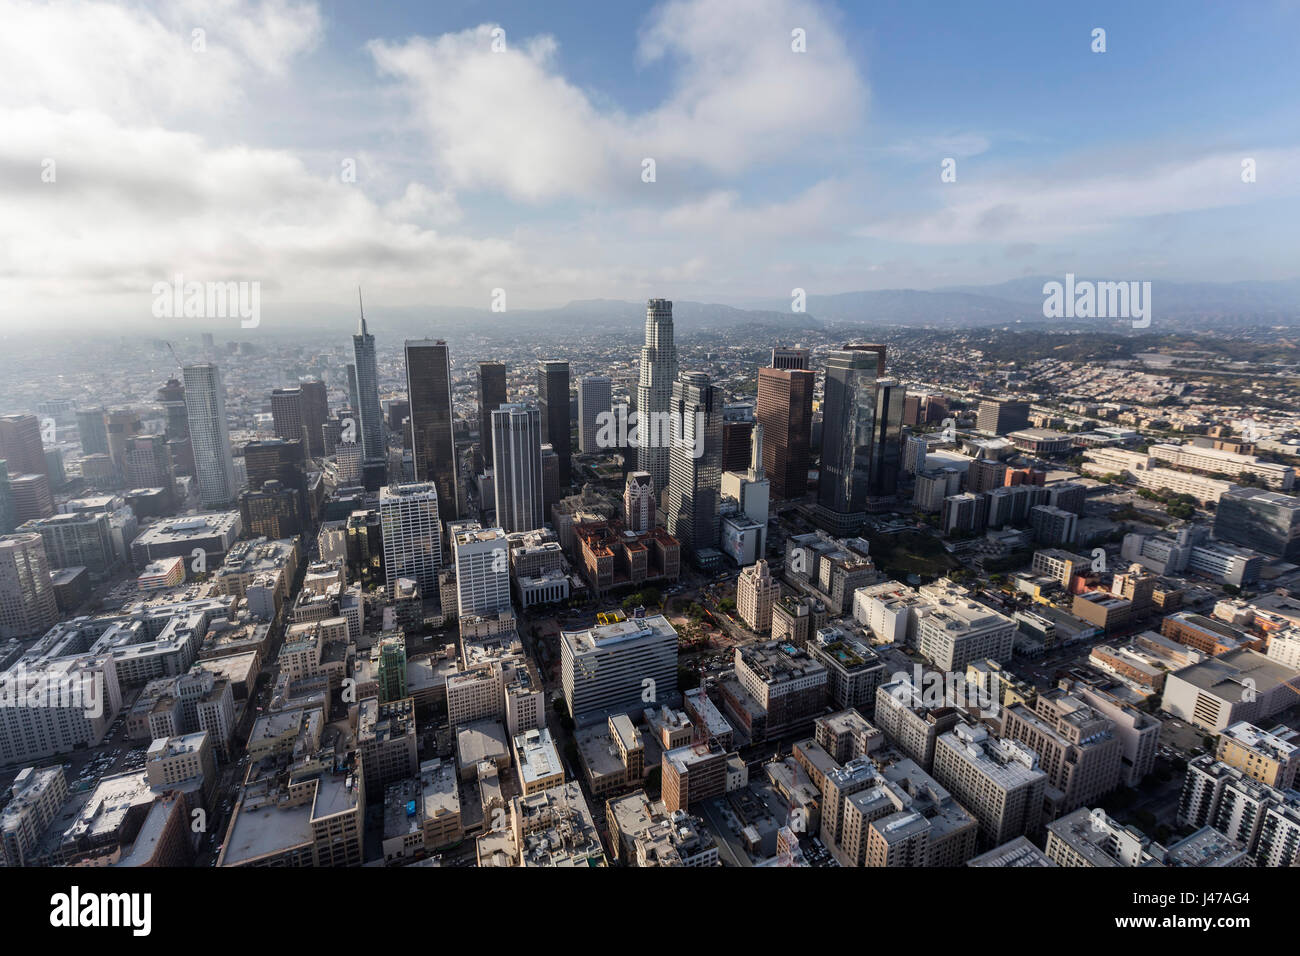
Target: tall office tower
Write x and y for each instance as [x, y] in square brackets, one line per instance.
[595, 398]
[412, 535]
[20, 445]
[694, 464]
[553, 399]
[353, 401]
[433, 444]
[273, 511]
[550, 479]
[850, 417]
[32, 498]
[639, 502]
[785, 398]
[517, 466]
[6, 500]
[870, 349]
[172, 397]
[275, 460]
[793, 357]
[205, 406]
[315, 411]
[123, 424]
[912, 413]
[999, 418]
[149, 464]
[27, 606]
[370, 423]
[287, 414]
[94, 435]
[397, 413]
[654, 393]
[482, 571]
[347, 455]
[886, 444]
[491, 396]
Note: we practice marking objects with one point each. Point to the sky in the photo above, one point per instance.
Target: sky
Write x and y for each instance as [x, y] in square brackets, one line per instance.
[447, 153]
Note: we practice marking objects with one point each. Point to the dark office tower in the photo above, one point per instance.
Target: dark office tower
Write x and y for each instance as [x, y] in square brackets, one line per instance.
[912, 413]
[848, 422]
[353, 401]
[287, 413]
[7, 524]
[694, 466]
[985, 474]
[370, 420]
[433, 442]
[398, 412]
[795, 357]
[274, 460]
[550, 479]
[91, 428]
[553, 399]
[491, 396]
[737, 437]
[655, 390]
[332, 433]
[999, 418]
[517, 466]
[20, 445]
[315, 411]
[886, 445]
[785, 399]
[149, 464]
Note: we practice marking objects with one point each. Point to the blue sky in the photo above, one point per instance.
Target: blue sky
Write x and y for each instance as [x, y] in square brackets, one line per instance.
[521, 169]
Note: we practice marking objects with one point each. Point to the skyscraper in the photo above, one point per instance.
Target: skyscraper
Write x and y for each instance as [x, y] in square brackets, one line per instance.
[785, 397]
[694, 471]
[412, 535]
[517, 464]
[370, 427]
[491, 396]
[315, 411]
[149, 464]
[20, 445]
[553, 398]
[886, 443]
[786, 357]
[595, 398]
[655, 390]
[205, 407]
[289, 415]
[482, 571]
[6, 500]
[27, 606]
[94, 435]
[433, 446]
[850, 418]
[123, 424]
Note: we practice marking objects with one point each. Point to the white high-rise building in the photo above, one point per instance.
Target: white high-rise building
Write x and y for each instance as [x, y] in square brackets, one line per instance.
[517, 466]
[655, 389]
[27, 605]
[482, 571]
[412, 532]
[205, 406]
[595, 397]
[347, 455]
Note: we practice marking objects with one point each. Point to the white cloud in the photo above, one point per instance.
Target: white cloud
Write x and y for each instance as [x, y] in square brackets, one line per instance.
[740, 98]
[1072, 204]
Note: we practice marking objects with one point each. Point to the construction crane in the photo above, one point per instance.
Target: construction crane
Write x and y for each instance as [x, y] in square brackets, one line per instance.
[174, 356]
